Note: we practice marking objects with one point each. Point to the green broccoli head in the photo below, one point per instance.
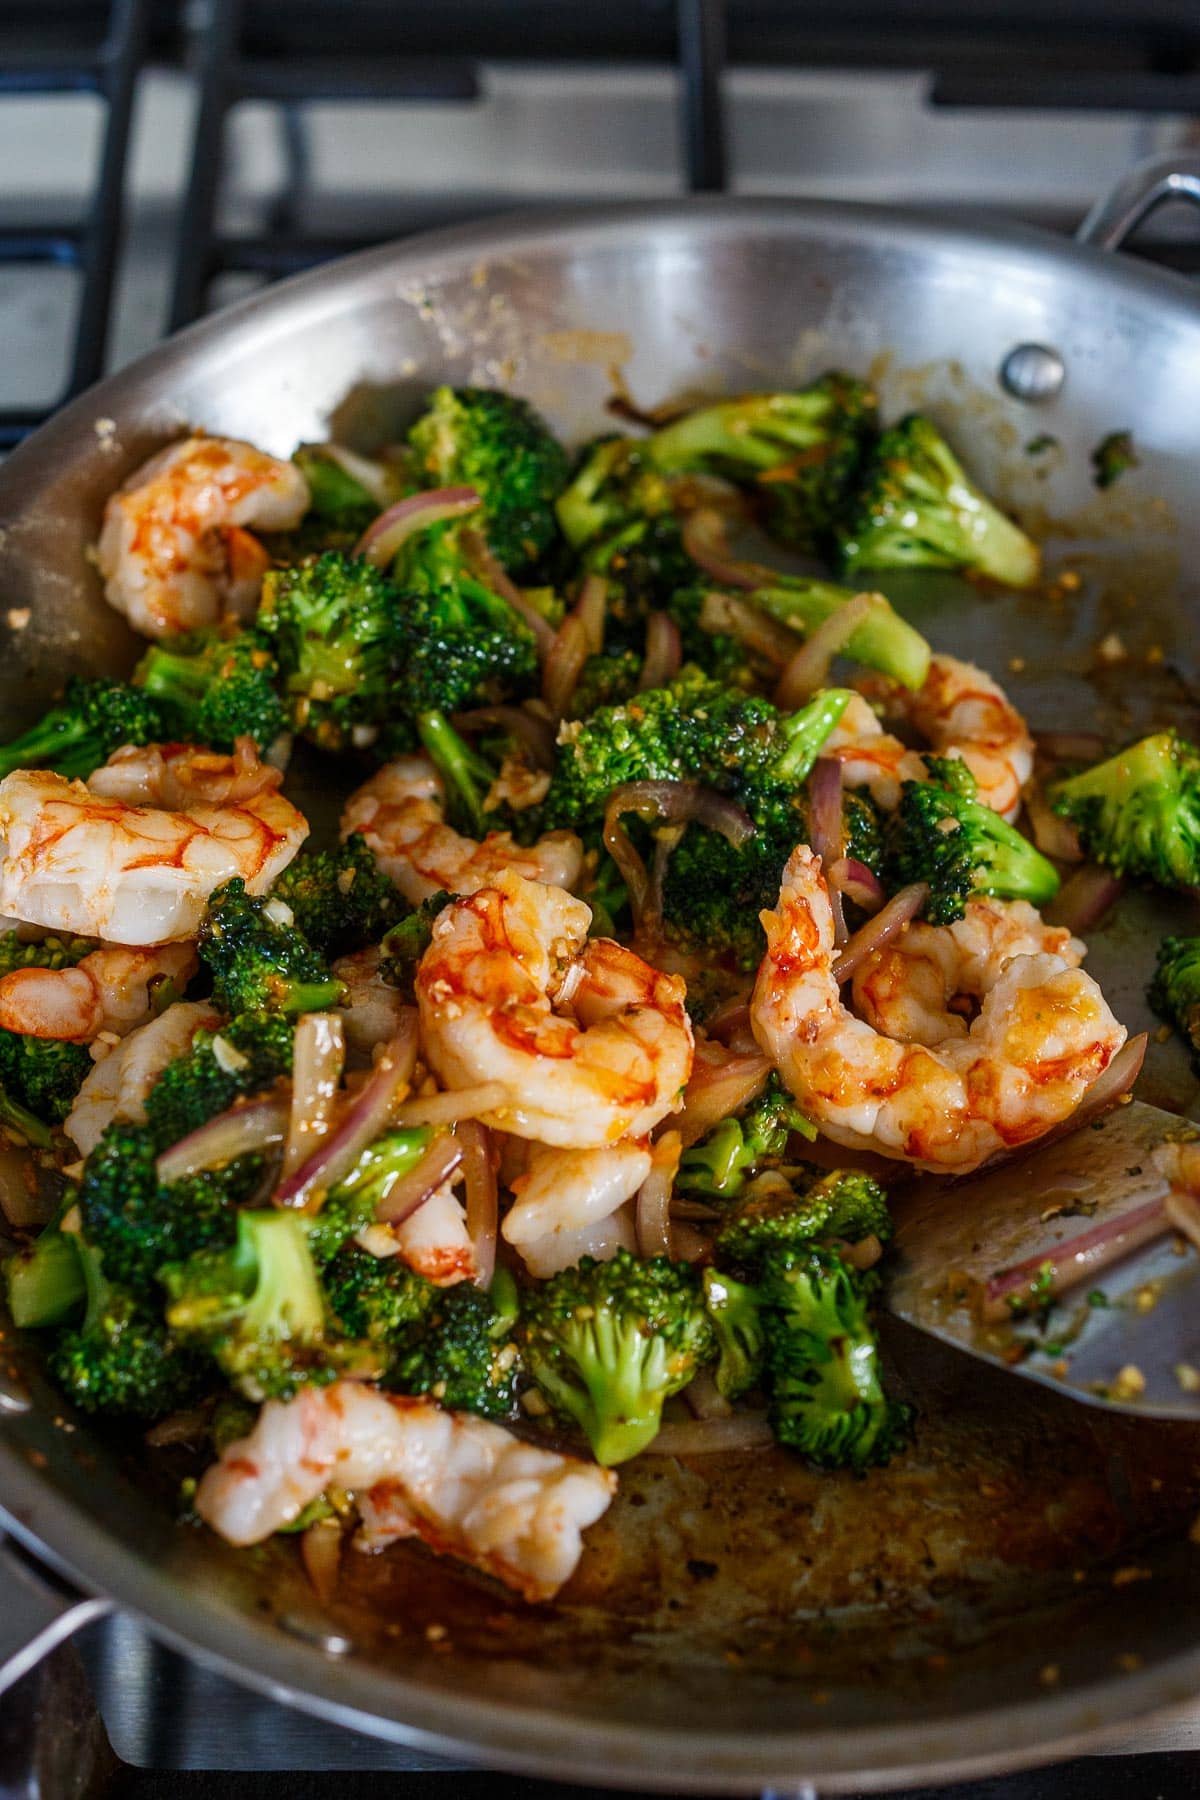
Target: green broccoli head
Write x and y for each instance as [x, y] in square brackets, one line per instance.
[916, 507]
[821, 1363]
[941, 834]
[463, 646]
[737, 1324]
[41, 1076]
[461, 1351]
[741, 1146]
[801, 452]
[1138, 813]
[121, 1358]
[608, 1342]
[352, 1204]
[614, 489]
[47, 953]
[1174, 992]
[376, 1297]
[608, 679]
[257, 1309]
[840, 1206]
[216, 686]
[93, 719]
[44, 1282]
[644, 564]
[258, 960]
[407, 942]
[340, 900]
[334, 624]
[497, 444]
[247, 1056]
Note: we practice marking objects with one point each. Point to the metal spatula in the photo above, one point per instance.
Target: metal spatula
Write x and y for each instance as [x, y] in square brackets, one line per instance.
[971, 1262]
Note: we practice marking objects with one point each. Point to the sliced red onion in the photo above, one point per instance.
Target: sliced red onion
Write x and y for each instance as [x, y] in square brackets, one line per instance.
[825, 833]
[727, 615]
[385, 535]
[1080, 1258]
[254, 1125]
[479, 1173]
[704, 1399]
[454, 1104]
[564, 664]
[891, 919]
[422, 1181]
[590, 608]
[706, 542]
[652, 1210]
[717, 1089]
[494, 575]
[664, 652]
[1071, 746]
[714, 1437]
[1053, 836]
[809, 668]
[1084, 898]
[369, 1114]
[858, 883]
[319, 1051]
[321, 1554]
[729, 1020]
[371, 476]
[536, 735]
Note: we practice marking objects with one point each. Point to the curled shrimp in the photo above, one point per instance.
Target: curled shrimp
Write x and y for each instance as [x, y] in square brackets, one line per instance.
[566, 1200]
[112, 989]
[870, 756]
[173, 549]
[466, 1486]
[401, 813]
[906, 990]
[433, 1241]
[1043, 1034]
[181, 775]
[592, 1044]
[117, 1087]
[77, 862]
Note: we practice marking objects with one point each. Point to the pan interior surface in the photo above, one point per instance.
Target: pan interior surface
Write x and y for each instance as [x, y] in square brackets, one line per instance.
[1025, 1575]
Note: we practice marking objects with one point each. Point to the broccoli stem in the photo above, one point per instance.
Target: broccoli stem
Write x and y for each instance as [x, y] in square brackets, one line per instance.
[883, 641]
[466, 775]
[182, 681]
[805, 732]
[61, 741]
[18, 1119]
[45, 1283]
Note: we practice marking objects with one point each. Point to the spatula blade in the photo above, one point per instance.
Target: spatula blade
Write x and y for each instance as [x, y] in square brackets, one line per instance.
[1128, 1338]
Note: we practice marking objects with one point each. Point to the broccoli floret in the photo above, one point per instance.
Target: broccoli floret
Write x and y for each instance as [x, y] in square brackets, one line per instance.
[217, 686]
[466, 775]
[47, 953]
[609, 679]
[257, 1308]
[608, 1342]
[497, 444]
[244, 1057]
[821, 1364]
[1111, 458]
[352, 1204]
[736, 1316]
[44, 1282]
[340, 900]
[723, 1160]
[258, 961]
[336, 497]
[1138, 813]
[461, 1351]
[842, 1206]
[883, 640]
[407, 942]
[614, 490]
[93, 719]
[334, 623]
[462, 646]
[136, 1223]
[692, 730]
[376, 1297]
[917, 508]
[801, 451]
[42, 1075]
[941, 834]
[644, 564]
[121, 1359]
[1174, 992]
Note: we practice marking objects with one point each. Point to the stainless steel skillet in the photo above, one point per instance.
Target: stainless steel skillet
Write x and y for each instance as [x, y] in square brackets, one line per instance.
[1025, 1579]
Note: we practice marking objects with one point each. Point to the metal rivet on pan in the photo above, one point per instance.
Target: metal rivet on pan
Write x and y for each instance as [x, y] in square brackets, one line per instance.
[1032, 372]
[316, 1633]
[14, 1395]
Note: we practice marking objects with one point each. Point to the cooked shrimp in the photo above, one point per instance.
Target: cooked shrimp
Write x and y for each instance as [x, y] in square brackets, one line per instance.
[433, 1241]
[110, 990]
[117, 1087]
[401, 813]
[466, 1486]
[173, 549]
[905, 989]
[592, 1044]
[870, 756]
[79, 863]
[1043, 1034]
[181, 775]
[564, 1192]
[372, 1010]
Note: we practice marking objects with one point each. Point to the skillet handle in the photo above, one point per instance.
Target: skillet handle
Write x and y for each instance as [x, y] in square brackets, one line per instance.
[1143, 190]
[37, 1613]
